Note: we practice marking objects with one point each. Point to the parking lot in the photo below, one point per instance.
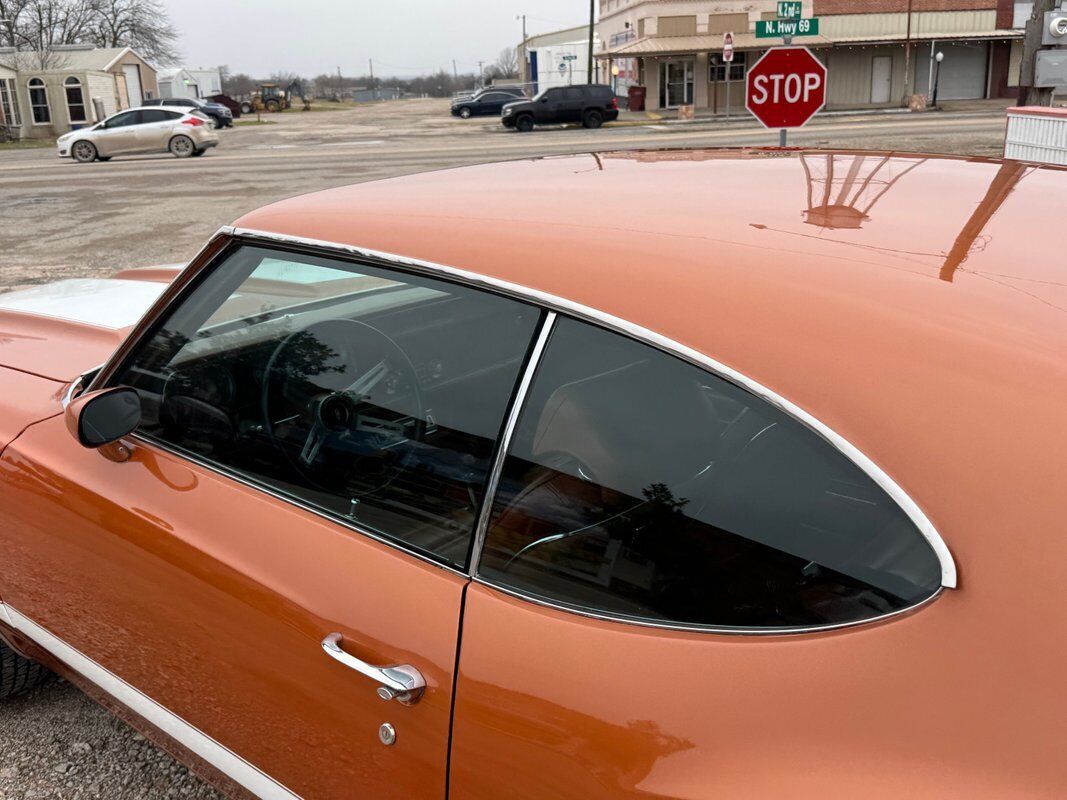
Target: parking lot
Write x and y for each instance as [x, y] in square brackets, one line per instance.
[59, 219]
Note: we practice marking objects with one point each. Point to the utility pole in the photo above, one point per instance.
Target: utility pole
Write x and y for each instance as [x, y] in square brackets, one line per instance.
[907, 57]
[1030, 95]
[339, 83]
[522, 51]
[373, 91]
[481, 80]
[592, 23]
[455, 73]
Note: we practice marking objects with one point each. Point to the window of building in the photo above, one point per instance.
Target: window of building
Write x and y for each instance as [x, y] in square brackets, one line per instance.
[643, 487]
[728, 23]
[676, 26]
[371, 396]
[9, 102]
[72, 87]
[39, 110]
[718, 69]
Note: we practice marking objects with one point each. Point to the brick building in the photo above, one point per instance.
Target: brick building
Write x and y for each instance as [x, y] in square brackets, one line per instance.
[876, 52]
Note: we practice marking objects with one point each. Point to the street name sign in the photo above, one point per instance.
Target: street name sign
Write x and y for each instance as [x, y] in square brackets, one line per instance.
[777, 28]
[789, 9]
[786, 87]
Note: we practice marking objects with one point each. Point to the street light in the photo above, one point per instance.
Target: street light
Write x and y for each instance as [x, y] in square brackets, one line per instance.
[937, 73]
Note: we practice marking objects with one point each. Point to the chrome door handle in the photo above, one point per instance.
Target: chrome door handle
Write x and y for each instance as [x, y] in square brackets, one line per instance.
[403, 682]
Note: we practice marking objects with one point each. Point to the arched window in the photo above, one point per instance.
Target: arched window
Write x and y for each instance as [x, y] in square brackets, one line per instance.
[72, 87]
[42, 114]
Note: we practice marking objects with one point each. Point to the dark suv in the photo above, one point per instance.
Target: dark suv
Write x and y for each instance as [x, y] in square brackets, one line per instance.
[590, 104]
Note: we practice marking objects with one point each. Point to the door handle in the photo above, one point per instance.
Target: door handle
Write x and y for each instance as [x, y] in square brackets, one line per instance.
[403, 682]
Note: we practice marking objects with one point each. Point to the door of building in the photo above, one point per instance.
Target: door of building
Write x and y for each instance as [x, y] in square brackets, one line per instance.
[133, 84]
[881, 79]
[676, 83]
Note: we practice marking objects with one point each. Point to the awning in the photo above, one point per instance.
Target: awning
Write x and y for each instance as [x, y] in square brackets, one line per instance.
[946, 36]
[710, 43]
[707, 43]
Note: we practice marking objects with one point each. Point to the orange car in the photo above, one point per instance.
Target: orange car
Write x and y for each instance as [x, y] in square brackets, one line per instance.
[665, 475]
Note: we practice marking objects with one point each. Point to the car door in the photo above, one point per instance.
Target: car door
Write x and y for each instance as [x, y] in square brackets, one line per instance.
[548, 107]
[492, 102]
[649, 512]
[155, 129]
[570, 109]
[118, 134]
[295, 513]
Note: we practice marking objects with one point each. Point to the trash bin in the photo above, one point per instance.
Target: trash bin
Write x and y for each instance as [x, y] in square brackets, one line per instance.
[637, 98]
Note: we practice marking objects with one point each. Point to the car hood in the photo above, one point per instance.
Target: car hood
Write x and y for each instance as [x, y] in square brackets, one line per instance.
[516, 103]
[59, 330]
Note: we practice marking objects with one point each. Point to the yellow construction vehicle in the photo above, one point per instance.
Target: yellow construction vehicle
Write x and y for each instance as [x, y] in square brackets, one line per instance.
[271, 97]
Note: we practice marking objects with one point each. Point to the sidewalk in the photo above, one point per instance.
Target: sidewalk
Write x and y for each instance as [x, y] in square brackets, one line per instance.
[995, 107]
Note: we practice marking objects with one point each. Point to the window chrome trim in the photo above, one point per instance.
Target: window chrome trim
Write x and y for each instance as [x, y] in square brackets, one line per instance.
[660, 342]
[218, 755]
[504, 442]
[694, 628]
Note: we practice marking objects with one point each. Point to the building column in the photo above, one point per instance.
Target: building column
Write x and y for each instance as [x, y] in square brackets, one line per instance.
[701, 97]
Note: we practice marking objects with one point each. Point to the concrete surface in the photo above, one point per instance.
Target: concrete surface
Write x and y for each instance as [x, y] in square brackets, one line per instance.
[61, 219]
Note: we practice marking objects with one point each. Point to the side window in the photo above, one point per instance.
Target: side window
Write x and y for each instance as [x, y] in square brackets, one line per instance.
[124, 120]
[574, 95]
[374, 396]
[641, 486]
[157, 115]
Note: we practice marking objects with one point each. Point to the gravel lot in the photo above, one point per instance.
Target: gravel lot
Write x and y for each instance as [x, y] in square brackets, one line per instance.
[60, 219]
[55, 744]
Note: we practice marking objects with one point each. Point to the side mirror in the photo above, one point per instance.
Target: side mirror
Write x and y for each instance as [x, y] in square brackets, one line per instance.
[104, 416]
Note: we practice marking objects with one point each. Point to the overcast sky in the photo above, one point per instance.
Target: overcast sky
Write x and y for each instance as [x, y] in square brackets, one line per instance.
[404, 37]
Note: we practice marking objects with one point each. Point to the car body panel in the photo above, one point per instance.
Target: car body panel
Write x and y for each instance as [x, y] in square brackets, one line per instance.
[567, 706]
[126, 563]
[25, 399]
[62, 329]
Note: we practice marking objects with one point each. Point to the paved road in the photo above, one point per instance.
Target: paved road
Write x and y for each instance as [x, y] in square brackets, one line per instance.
[61, 219]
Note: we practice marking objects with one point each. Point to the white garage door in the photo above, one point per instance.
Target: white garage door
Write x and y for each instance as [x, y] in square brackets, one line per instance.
[133, 84]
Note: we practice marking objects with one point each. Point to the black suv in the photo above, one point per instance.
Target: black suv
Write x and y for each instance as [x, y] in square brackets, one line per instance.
[590, 104]
[223, 116]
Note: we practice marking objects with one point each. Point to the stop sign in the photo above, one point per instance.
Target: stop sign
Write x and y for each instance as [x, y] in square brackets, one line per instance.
[786, 87]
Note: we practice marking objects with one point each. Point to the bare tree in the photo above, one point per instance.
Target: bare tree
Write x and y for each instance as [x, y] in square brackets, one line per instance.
[12, 21]
[42, 25]
[506, 64]
[239, 84]
[140, 24]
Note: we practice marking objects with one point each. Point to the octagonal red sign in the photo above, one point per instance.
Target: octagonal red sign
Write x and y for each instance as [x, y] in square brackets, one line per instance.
[786, 87]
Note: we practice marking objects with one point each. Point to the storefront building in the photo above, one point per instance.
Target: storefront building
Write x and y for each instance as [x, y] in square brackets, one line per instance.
[875, 55]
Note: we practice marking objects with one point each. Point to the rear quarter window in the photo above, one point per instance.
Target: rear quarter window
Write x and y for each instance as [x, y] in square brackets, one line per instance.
[640, 486]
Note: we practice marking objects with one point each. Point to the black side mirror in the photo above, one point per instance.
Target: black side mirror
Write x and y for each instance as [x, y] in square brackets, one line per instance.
[104, 416]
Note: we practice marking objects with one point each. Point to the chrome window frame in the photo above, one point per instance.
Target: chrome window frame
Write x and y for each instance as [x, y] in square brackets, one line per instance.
[555, 306]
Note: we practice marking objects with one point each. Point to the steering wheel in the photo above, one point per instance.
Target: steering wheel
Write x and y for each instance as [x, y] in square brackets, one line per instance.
[341, 401]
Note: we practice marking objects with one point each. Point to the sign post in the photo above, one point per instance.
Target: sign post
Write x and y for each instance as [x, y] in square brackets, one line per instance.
[785, 89]
[727, 57]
